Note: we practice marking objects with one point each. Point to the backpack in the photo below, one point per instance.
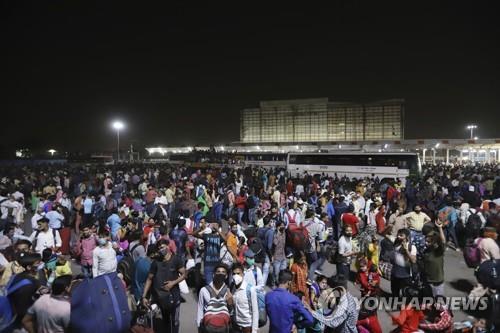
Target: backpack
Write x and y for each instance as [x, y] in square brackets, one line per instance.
[298, 238]
[255, 244]
[8, 316]
[291, 220]
[487, 274]
[216, 317]
[472, 254]
[126, 266]
[473, 225]
[100, 305]
[443, 216]
[261, 302]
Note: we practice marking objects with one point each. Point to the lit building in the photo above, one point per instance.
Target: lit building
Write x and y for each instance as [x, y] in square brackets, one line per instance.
[321, 120]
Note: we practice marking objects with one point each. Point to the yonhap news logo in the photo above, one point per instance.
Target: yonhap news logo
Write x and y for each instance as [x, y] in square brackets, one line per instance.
[370, 303]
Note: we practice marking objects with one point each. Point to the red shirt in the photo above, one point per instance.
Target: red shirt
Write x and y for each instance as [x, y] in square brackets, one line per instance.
[363, 279]
[408, 320]
[380, 220]
[240, 202]
[351, 220]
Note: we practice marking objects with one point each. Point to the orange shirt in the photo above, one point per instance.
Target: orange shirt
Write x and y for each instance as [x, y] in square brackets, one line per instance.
[299, 282]
[408, 320]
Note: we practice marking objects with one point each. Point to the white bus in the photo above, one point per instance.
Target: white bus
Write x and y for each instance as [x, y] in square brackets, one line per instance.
[354, 164]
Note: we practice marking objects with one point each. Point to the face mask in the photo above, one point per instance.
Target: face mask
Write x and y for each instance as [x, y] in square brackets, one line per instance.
[281, 229]
[348, 235]
[163, 252]
[238, 279]
[102, 241]
[219, 278]
[234, 231]
[250, 261]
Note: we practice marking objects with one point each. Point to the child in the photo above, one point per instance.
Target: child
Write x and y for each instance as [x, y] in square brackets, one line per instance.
[63, 266]
[316, 288]
[372, 251]
[368, 278]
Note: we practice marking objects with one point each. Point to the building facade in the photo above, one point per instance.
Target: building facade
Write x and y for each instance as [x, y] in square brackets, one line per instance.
[321, 120]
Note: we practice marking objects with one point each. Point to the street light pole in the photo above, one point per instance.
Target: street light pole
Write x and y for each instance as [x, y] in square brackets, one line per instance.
[471, 128]
[118, 125]
[118, 145]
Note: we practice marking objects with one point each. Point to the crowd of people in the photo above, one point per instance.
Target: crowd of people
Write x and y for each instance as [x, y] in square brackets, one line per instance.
[251, 243]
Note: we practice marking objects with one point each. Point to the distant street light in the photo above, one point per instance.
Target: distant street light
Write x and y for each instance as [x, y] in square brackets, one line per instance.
[118, 126]
[471, 127]
[52, 152]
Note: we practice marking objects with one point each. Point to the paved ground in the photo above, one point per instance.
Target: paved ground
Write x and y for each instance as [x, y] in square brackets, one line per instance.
[459, 279]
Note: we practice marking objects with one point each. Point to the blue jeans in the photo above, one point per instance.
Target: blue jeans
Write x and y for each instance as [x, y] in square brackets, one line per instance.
[208, 272]
[450, 232]
[265, 269]
[344, 269]
[218, 211]
[251, 215]
[241, 212]
[87, 271]
[315, 265]
[278, 266]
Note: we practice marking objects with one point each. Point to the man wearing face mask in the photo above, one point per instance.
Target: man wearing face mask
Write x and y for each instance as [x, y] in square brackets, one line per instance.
[253, 274]
[345, 252]
[164, 276]
[246, 309]
[282, 307]
[279, 255]
[216, 287]
[416, 219]
[103, 256]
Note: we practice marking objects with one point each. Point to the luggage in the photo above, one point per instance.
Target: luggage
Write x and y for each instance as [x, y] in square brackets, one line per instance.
[473, 225]
[487, 274]
[472, 254]
[298, 237]
[7, 315]
[100, 306]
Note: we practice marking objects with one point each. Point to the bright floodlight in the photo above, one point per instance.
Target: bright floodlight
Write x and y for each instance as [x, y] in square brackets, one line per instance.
[471, 126]
[52, 151]
[118, 125]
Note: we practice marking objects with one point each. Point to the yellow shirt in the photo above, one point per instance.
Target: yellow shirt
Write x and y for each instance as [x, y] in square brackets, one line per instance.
[63, 269]
[416, 221]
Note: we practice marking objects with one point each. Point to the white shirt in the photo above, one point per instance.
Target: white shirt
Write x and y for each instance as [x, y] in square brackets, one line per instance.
[249, 277]
[242, 306]
[45, 240]
[52, 314]
[345, 246]
[55, 219]
[34, 220]
[299, 189]
[65, 202]
[104, 260]
[294, 215]
[6, 204]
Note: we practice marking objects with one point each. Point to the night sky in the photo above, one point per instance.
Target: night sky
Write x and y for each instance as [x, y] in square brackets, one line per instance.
[179, 73]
